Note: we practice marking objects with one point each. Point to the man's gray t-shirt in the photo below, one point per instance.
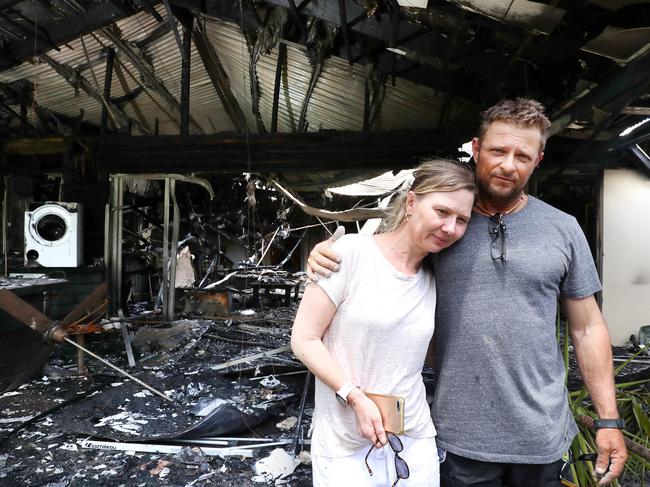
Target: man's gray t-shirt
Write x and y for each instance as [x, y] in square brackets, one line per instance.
[500, 395]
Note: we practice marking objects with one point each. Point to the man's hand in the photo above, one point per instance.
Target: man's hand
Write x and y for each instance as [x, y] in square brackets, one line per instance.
[611, 453]
[322, 260]
[369, 424]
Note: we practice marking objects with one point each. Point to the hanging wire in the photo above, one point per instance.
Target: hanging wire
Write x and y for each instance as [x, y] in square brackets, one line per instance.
[325, 226]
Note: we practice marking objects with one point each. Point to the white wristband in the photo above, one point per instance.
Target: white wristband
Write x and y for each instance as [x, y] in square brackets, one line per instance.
[343, 393]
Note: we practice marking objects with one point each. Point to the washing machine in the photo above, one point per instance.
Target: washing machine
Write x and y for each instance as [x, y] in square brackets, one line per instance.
[53, 234]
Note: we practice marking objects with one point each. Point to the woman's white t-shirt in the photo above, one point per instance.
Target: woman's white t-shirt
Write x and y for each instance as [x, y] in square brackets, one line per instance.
[379, 336]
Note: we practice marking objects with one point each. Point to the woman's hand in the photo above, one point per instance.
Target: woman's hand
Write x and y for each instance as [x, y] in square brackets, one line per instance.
[369, 424]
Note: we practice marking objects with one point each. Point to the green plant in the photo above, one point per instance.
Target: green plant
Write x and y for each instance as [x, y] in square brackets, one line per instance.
[633, 400]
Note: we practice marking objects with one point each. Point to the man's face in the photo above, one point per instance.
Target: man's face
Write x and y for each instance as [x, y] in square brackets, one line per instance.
[505, 157]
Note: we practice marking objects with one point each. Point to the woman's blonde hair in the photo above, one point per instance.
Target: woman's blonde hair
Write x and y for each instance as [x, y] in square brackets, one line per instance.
[430, 176]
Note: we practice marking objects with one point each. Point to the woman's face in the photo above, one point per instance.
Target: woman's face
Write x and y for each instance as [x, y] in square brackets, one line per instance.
[438, 219]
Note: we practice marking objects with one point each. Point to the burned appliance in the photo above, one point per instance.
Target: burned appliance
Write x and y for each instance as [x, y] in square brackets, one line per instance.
[53, 234]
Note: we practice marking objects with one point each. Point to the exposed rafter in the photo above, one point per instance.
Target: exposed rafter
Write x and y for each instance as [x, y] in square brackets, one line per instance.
[145, 71]
[19, 116]
[62, 29]
[274, 152]
[219, 78]
[78, 81]
[642, 159]
[610, 95]
[110, 59]
[131, 96]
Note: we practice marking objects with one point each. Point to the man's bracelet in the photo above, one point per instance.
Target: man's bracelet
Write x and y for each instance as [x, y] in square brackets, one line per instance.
[609, 423]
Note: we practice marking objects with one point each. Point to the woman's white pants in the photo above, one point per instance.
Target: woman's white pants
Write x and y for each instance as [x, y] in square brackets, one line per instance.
[420, 454]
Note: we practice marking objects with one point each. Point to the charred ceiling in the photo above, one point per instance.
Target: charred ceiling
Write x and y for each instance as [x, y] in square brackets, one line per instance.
[94, 70]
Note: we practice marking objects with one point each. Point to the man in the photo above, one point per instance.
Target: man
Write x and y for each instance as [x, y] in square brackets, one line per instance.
[500, 405]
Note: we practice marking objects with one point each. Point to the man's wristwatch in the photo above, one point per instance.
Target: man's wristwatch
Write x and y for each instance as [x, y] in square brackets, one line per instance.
[609, 423]
[343, 393]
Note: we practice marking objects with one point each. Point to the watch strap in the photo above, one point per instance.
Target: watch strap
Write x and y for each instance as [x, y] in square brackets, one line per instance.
[609, 423]
[343, 393]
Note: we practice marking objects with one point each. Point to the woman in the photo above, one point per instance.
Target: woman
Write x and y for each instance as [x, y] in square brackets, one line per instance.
[366, 329]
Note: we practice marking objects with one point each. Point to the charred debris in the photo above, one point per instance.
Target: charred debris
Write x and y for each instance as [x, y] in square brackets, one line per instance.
[192, 391]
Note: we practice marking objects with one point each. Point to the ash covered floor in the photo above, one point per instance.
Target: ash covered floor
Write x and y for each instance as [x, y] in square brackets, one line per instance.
[44, 424]
[52, 429]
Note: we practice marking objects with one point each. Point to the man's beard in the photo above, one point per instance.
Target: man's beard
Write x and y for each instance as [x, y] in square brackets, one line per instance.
[501, 198]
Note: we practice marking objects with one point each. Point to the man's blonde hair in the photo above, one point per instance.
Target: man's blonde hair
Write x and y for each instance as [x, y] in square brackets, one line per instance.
[520, 111]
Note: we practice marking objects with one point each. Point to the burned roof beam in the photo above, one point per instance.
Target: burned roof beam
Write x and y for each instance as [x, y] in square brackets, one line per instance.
[320, 43]
[379, 26]
[329, 150]
[158, 33]
[261, 41]
[149, 8]
[108, 78]
[131, 97]
[77, 80]
[239, 11]
[128, 96]
[280, 65]
[23, 120]
[12, 34]
[185, 79]
[219, 78]
[172, 23]
[22, 92]
[297, 18]
[375, 90]
[123, 6]
[449, 81]
[28, 32]
[605, 94]
[99, 58]
[642, 159]
[64, 124]
[149, 77]
[344, 27]
[61, 31]
[613, 109]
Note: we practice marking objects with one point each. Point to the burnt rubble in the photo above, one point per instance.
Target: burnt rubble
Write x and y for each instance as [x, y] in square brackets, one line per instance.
[235, 419]
[64, 429]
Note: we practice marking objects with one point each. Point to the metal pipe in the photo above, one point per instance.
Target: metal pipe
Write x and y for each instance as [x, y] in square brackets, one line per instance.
[301, 410]
[173, 248]
[118, 243]
[121, 371]
[4, 223]
[165, 273]
[113, 248]
[186, 49]
[108, 244]
[81, 341]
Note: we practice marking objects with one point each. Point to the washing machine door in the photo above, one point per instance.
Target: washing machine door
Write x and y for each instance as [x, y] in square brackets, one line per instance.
[50, 225]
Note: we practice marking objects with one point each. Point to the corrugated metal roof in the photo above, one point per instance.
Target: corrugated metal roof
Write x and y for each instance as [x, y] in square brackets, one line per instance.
[337, 102]
[621, 45]
[377, 186]
[338, 99]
